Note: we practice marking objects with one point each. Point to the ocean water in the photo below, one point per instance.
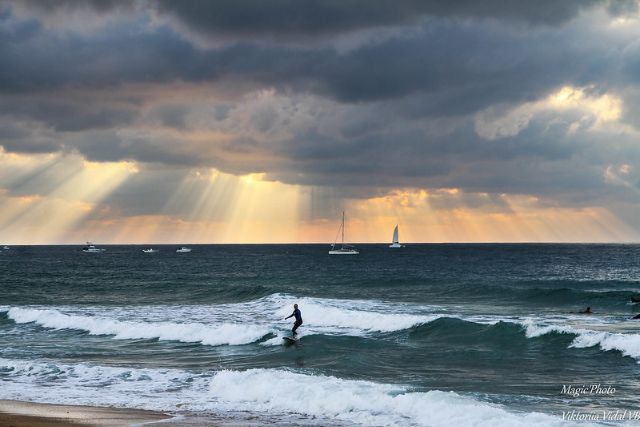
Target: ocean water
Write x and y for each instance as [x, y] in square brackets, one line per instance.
[435, 335]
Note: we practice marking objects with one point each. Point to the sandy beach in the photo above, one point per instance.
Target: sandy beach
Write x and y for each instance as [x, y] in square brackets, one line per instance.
[26, 414]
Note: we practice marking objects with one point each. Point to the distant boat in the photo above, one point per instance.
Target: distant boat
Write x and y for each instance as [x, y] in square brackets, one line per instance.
[183, 250]
[395, 243]
[344, 249]
[150, 251]
[91, 248]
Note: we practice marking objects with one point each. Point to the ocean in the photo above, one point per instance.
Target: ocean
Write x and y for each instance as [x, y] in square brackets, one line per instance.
[433, 334]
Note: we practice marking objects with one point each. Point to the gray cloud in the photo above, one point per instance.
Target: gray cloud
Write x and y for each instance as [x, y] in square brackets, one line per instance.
[389, 112]
[463, 68]
[22, 138]
[69, 114]
[69, 5]
[291, 18]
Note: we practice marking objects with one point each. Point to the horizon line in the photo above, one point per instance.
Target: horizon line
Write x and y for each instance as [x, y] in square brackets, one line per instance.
[330, 244]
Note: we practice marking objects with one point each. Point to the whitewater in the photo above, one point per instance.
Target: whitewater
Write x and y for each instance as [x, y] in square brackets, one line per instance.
[330, 317]
[435, 335]
[266, 391]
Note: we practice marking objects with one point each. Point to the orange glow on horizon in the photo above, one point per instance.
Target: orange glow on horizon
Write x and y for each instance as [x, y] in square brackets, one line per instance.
[249, 219]
[209, 206]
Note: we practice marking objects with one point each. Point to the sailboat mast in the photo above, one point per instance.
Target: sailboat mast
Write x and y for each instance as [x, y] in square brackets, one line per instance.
[343, 227]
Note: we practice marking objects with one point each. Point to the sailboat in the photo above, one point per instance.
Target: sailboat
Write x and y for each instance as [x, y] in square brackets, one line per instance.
[344, 249]
[395, 243]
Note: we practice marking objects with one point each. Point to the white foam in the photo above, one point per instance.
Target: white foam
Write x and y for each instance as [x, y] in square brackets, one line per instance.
[361, 402]
[367, 316]
[210, 324]
[214, 334]
[270, 392]
[84, 384]
[628, 344]
[534, 330]
[259, 318]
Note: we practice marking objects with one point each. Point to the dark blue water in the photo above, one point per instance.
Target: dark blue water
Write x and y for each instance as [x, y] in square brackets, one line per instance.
[387, 333]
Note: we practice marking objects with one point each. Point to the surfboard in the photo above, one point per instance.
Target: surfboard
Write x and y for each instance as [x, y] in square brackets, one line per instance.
[289, 340]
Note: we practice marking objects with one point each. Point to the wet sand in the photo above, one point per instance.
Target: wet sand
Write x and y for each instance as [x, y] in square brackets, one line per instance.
[26, 414]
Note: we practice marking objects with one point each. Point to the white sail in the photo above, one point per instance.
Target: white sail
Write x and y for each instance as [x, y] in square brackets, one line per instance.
[396, 240]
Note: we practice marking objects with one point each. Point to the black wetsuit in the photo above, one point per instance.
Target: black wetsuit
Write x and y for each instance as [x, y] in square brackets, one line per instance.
[298, 322]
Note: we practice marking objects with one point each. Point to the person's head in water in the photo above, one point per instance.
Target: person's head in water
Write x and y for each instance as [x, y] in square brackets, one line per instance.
[588, 310]
[295, 306]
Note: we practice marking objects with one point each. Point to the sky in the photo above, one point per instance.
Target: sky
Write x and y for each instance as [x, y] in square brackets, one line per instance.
[252, 121]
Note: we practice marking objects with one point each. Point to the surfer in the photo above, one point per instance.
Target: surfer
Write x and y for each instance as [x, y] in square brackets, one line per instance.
[298, 317]
[587, 311]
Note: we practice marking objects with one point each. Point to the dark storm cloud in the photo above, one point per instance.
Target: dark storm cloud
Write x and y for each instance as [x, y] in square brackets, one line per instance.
[19, 138]
[171, 116]
[108, 146]
[463, 68]
[68, 114]
[293, 18]
[114, 57]
[400, 93]
[97, 5]
[544, 159]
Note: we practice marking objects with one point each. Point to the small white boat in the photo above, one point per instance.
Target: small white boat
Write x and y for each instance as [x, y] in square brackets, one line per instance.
[395, 242]
[150, 251]
[183, 250]
[344, 249]
[91, 248]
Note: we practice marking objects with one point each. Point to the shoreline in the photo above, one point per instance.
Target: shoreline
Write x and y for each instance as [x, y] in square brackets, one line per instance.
[18, 413]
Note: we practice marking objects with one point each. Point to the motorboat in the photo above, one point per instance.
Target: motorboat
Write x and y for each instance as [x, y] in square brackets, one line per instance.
[91, 248]
[150, 251]
[183, 250]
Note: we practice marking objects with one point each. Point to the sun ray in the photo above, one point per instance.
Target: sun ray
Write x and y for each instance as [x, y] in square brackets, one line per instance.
[78, 187]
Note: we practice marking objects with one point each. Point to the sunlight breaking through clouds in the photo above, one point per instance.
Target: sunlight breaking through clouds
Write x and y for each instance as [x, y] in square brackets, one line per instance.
[593, 109]
[77, 188]
[498, 122]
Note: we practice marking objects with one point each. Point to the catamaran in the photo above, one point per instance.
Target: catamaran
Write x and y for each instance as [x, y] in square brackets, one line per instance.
[395, 243]
[344, 249]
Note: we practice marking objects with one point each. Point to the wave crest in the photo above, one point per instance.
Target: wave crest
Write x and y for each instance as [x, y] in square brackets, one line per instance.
[362, 402]
[627, 344]
[215, 334]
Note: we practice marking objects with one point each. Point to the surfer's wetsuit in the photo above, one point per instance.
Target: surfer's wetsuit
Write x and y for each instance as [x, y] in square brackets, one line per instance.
[298, 322]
